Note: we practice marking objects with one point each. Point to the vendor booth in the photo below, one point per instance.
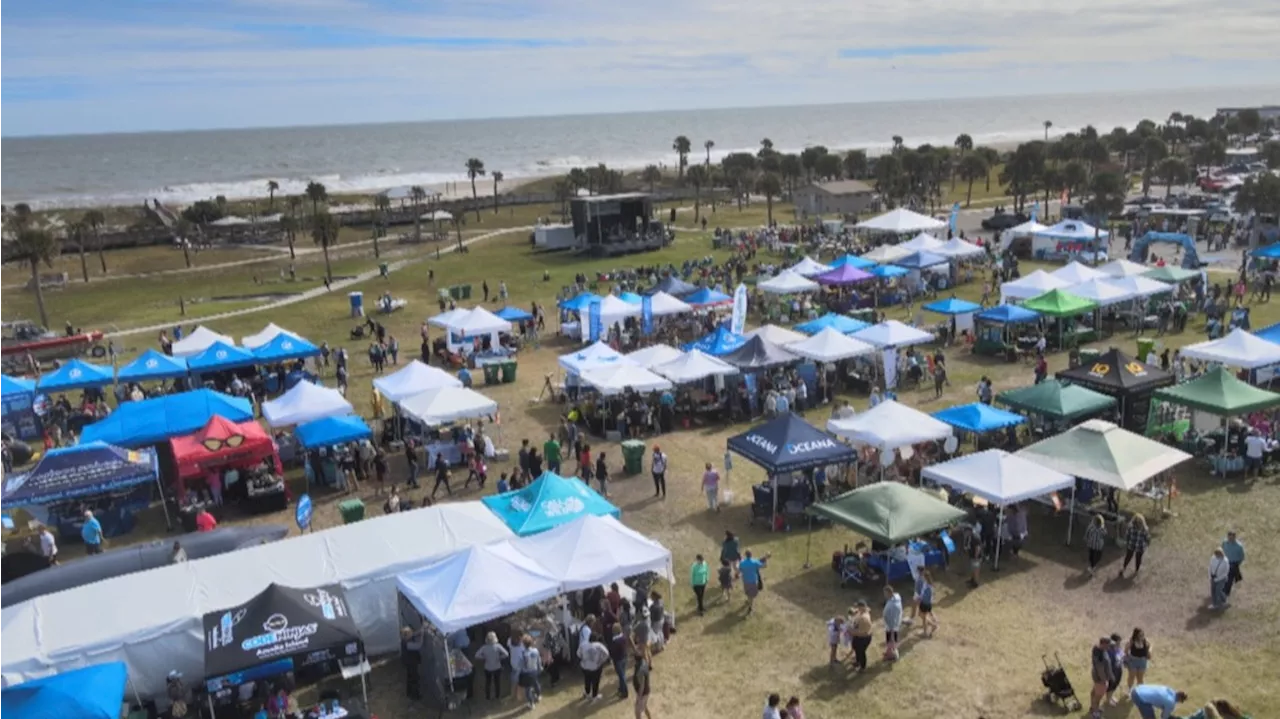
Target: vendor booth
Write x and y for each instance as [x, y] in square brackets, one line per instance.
[654, 355]
[830, 345]
[332, 431]
[1068, 238]
[307, 632]
[238, 458]
[808, 267]
[1065, 329]
[284, 348]
[622, 378]
[1238, 349]
[268, 333]
[889, 514]
[593, 550]
[1129, 381]
[1074, 273]
[999, 331]
[1000, 478]
[1053, 406]
[305, 402]
[694, 366]
[592, 356]
[841, 261]
[19, 416]
[1195, 415]
[477, 327]
[76, 374]
[977, 418]
[719, 343]
[885, 254]
[200, 339]
[1172, 275]
[94, 475]
[1123, 268]
[900, 221]
[923, 242]
[447, 404]
[93, 692]
[152, 366]
[218, 357]
[151, 421]
[889, 426]
[917, 263]
[843, 275]
[550, 501]
[673, 286]
[662, 304]
[413, 378]
[959, 249]
[758, 353]
[840, 323]
[960, 311]
[514, 314]
[785, 448]
[707, 297]
[1033, 285]
[788, 283]
[780, 336]
[889, 337]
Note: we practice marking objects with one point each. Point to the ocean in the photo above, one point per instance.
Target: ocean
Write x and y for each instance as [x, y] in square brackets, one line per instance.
[181, 167]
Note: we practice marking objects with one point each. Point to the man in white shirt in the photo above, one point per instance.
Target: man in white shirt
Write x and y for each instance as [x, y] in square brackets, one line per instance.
[1219, 571]
[1041, 344]
[1254, 448]
[48, 545]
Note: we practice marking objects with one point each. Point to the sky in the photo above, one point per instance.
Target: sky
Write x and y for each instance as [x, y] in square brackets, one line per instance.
[89, 66]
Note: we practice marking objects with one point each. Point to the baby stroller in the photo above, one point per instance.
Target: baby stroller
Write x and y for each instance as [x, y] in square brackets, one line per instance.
[1057, 685]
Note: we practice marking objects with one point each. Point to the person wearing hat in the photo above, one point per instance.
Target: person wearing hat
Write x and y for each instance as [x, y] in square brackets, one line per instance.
[659, 469]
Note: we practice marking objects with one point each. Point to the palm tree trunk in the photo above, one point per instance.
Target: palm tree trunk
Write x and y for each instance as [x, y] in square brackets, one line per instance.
[697, 202]
[84, 263]
[102, 256]
[292, 254]
[968, 198]
[768, 203]
[377, 253]
[35, 283]
[186, 252]
[328, 269]
[495, 197]
[457, 226]
[988, 180]
[475, 199]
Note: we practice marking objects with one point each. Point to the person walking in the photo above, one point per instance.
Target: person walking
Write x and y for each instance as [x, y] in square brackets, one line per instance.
[91, 533]
[551, 453]
[1150, 698]
[659, 468]
[1136, 541]
[1233, 550]
[442, 475]
[1095, 539]
[640, 682]
[699, 575]
[618, 656]
[1102, 673]
[1219, 572]
[1137, 653]
[490, 655]
[602, 474]
[411, 458]
[752, 577]
[48, 546]
[892, 617]
[530, 668]
[1116, 654]
[592, 657]
[711, 487]
[859, 628]
[927, 617]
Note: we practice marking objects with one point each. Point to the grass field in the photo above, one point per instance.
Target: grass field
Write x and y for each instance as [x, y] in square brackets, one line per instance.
[985, 660]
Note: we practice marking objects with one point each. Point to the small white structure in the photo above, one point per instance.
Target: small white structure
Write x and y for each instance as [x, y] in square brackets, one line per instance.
[1238, 349]
[654, 355]
[1033, 285]
[830, 345]
[414, 378]
[923, 242]
[886, 254]
[890, 425]
[892, 333]
[200, 339]
[268, 333]
[447, 404]
[1141, 286]
[808, 267]
[1101, 290]
[1123, 268]
[780, 336]
[901, 222]
[957, 248]
[479, 322]
[443, 319]
[593, 551]
[693, 366]
[1074, 273]
[788, 283]
[592, 357]
[618, 378]
[305, 402]
[554, 237]
[663, 304]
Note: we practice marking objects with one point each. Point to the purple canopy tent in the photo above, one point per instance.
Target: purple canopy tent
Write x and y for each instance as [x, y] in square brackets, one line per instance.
[845, 274]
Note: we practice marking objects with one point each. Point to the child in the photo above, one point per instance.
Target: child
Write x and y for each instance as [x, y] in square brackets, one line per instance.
[503, 485]
[726, 579]
[925, 604]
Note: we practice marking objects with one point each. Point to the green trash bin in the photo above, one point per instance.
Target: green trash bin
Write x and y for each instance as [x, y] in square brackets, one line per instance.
[1088, 356]
[466, 292]
[492, 373]
[1146, 346]
[633, 456]
[352, 510]
[508, 372]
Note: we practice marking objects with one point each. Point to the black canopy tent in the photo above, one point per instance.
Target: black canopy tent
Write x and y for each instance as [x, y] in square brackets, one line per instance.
[1118, 375]
[279, 630]
[758, 353]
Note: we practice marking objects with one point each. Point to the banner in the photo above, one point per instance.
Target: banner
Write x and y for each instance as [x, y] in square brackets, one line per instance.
[595, 322]
[1035, 211]
[646, 315]
[738, 324]
[954, 220]
[890, 368]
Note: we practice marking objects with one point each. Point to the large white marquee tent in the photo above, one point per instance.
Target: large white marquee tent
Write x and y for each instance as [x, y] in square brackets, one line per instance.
[901, 222]
[890, 425]
[413, 378]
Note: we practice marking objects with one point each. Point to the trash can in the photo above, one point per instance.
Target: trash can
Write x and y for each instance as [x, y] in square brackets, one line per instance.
[1146, 346]
[466, 292]
[633, 456]
[352, 510]
[492, 373]
[508, 371]
[455, 292]
[357, 303]
[1088, 356]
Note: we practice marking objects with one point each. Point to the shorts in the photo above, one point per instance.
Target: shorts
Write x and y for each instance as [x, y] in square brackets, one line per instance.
[528, 679]
[975, 564]
[926, 607]
[751, 589]
[1137, 664]
[93, 548]
[1111, 685]
[726, 585]
[1253, 462]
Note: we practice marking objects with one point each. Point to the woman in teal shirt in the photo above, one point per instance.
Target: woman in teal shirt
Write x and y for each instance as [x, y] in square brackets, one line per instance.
[699, 574]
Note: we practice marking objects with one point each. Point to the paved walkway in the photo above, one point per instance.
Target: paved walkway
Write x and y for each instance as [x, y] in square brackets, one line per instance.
[318, 291]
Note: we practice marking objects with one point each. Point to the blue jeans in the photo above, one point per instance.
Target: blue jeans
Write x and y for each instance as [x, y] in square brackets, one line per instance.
[1145, 710]
[554, 467]
[620, 668]
[1218, 590]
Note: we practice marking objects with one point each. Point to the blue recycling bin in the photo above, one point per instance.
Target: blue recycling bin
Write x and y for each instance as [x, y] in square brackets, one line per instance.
[357, 304]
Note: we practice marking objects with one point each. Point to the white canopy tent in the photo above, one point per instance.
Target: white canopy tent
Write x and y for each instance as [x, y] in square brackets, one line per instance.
[890, 425]
[1102, 290]
[615, 309]
[901, 222]
[1074, 273]
[477, 584]
[923, 242]
[153, 620]
[788, 283]
[617, 378]
[1001, 479]
[1237, 349]
[268, 333]
[957, 248]
[830, 345]
[477, 322]
[447, 404]
[654, 355]
[808, 267]
[413, 378]
[777, 335]
[305, 402]
[1101, 451]
[1141, 286]
[663, 304]
[886, 254]
[1123, 268]
[1033, 285]
[591, 357]
[693, 366]
[443, 319]
[1026, 229]
[200, 339]
[1072, 230]
[593, 551]
[892, 333]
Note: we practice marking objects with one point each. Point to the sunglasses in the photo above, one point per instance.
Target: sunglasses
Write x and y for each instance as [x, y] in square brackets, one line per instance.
[213, 445]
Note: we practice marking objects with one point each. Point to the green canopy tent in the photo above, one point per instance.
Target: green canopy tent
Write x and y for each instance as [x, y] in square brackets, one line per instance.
[887, 512]
[1060, 305]
[1061, 403]
[1217, 392]
[1170, 274]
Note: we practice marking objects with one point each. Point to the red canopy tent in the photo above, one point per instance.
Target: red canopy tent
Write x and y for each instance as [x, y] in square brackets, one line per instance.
[221, 443]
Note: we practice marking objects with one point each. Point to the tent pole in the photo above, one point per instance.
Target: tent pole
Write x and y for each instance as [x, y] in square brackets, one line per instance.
[1071, 518]
[995, 566]
[209, 696]
[364, 685]
[168, 523]
[773, 525]
[808, 543]
[134, 688]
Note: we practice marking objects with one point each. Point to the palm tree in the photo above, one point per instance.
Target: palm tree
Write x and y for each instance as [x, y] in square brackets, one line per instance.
[78, 231]
[992, 156]
[289, 226]
[791, 169]
[697, 176]
[770, 186]
[381, 212]
[855, 164]
[766, 146]
[1153, 151]
[1074, 177]
[651, 176]
[475, 168]
[1174, 171]
[417, 194]
[972, 167]
[964, 142]
[1047, 124]
[317, 193]
[272, 188]
[708, 145]
[564, 190]
[897, 143]
[182, 230]
[95, 220]
[497, 177]
[683, 147]
[36, 245]
[324, 231]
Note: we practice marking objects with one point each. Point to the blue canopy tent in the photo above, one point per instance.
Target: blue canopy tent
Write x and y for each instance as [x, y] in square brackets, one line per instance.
[16, 385]
[718, 343]
[673, 286]
[978, 418]
[952, 306]
[579, 303]
[153, 365]
[1270, 252]
[18, 409]
[92, 692]
[631, 298]
[707, 296]
[1008, 315]
[994, 332]
[839, 323]
[138, 424]
[549, 502]
[79, 471]
[284, 347]
[887, 272]
[513, 314]
[76, 374]
[920, 260]
[332, 430]
[789, 444]
[854, 260]
[221, 356]
[1270, 334]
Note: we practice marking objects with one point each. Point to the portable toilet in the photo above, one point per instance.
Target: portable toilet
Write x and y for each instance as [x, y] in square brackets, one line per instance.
[357, 304]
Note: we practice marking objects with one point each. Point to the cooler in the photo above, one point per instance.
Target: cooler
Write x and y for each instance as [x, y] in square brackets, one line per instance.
[633, 456]
[1146, 346]
[352, 510]
[508, 372]
[357, 303]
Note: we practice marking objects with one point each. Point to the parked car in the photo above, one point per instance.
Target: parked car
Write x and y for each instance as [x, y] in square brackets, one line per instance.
[1002, 221]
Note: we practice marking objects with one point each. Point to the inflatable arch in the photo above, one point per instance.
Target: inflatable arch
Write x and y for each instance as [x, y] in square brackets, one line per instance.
[1190, 258]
